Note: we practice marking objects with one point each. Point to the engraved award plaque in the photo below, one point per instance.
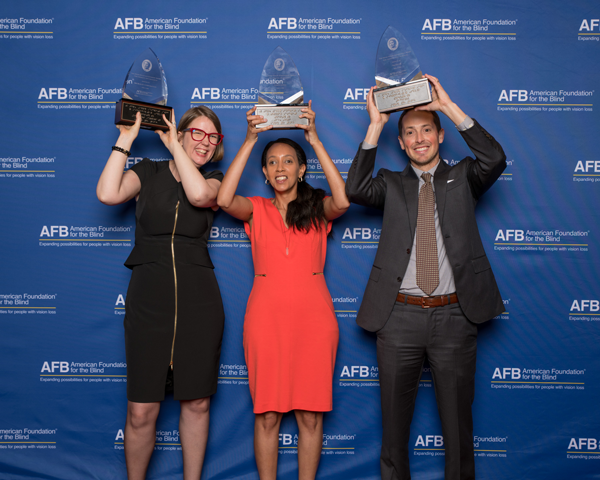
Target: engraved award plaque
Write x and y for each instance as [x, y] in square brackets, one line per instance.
[280, 93]
[400, 83]
[144, 91]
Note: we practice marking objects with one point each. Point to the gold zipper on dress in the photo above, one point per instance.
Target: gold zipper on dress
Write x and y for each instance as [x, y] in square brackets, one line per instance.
[175, 277]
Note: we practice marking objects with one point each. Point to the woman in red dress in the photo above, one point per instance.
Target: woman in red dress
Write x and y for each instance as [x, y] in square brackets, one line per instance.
[290, 328]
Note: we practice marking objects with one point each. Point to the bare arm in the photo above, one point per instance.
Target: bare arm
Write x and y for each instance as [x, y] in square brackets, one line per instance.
[114, 186]
[236, 205]
[199, 191]
[338, 203]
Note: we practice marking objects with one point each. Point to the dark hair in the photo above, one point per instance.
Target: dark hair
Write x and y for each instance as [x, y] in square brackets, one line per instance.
[203, 111]
[306, 211]
[436, 120]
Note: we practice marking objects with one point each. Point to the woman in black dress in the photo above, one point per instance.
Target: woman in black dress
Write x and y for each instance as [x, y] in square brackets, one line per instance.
[173, 311]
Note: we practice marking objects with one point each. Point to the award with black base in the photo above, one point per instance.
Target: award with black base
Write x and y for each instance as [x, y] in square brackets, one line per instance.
[280, 93]
[400, 83]
[144, 91]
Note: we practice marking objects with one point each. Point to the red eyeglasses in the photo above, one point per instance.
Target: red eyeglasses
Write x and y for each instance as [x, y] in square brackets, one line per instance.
[198, 135]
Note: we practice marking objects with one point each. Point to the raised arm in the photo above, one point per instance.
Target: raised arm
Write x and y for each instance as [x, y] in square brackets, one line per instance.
[338, 203]
[236, 205]
[199, 191]
[441, 102]
[490, 159]
[361, 187]
[114, 186]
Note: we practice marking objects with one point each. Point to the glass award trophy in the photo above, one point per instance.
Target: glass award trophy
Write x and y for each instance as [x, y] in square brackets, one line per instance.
[280, 93]
[400, 83]
[144, 91]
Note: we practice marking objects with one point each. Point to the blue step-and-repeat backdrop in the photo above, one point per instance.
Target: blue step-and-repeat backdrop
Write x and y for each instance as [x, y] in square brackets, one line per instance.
[528, 71]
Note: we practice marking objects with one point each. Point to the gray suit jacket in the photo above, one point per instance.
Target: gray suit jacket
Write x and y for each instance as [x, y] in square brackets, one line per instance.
[457, 190]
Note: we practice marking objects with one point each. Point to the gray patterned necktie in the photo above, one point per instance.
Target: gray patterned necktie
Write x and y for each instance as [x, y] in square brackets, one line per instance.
[428, 273]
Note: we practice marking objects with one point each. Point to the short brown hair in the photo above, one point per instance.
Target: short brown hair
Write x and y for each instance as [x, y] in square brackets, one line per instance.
[203, 111]
[436, 120]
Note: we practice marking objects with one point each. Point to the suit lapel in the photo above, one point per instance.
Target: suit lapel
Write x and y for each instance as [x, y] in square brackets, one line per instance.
[410, 186]
[440, 182]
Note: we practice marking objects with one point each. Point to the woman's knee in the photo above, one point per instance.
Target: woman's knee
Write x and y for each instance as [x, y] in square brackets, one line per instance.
[140, 415]
[268, 420]
[309, 421]
[198, 406]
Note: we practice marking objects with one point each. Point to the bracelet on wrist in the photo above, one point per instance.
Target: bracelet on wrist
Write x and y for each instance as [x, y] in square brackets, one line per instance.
[122, 150]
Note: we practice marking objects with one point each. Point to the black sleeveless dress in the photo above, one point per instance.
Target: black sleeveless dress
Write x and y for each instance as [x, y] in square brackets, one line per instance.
[173, 312]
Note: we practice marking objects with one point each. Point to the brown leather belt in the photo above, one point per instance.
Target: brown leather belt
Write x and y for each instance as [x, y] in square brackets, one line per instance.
[428, 302]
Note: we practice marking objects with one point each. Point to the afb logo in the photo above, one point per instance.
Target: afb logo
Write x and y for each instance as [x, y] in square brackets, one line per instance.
[125, 23]
[206, 93]
[429, 441]
[287, 439]
[289, 23]
[52, 230]
[120, 301]
[356, 94]
[120, 435]
[359, 371]
[507, 235]
[53, 367]
[582, 306]
[507, 373]
[361, 233]
[513, 95]
[583, 444]
[53, 93]
[435, 23]
[587, 166]
[591, 25]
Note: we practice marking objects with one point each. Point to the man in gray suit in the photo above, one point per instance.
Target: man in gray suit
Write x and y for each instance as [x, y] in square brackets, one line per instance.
[431, 282]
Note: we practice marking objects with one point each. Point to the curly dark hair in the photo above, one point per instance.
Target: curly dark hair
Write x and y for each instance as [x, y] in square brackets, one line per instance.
[306, 211]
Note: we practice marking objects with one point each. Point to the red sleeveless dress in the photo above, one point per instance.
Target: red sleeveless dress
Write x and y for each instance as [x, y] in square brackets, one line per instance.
[290, 329]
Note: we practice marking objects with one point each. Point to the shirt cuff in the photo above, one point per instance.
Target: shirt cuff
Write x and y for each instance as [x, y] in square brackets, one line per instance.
[465, 124]
[367, 146]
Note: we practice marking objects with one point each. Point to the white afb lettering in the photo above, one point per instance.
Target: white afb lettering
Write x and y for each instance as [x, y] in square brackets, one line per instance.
[583, 444]
[433, 24]
[356, 94]
[124, 24]
[511, 95]
[361, 233]
[589, 26]
[588, 166]
[206, 93]
[585, 306]
[283, 22]
[61, 230]
[506, 235]
[51, 367]
[507, 373]
[351, 371]
[430, 441]
[53, 93]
